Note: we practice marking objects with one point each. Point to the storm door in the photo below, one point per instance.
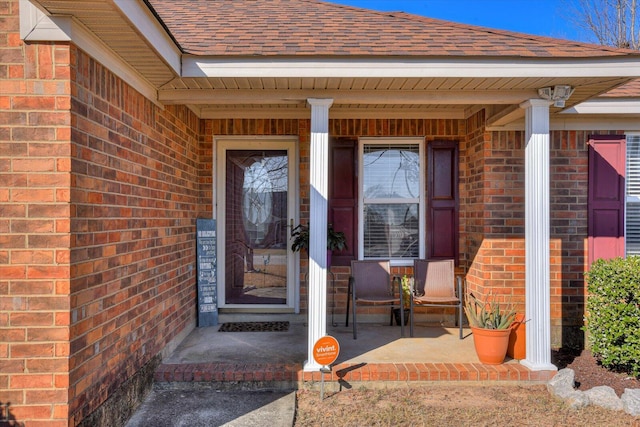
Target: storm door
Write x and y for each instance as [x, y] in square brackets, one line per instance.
[254, 213]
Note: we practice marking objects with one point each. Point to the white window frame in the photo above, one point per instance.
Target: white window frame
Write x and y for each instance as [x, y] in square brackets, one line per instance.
[421, 200]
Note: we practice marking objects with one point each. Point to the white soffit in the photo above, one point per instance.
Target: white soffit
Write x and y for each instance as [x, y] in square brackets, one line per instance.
[139, 15]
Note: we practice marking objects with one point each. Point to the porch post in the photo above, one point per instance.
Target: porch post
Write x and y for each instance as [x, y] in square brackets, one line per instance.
[537, 236]
[318, 207]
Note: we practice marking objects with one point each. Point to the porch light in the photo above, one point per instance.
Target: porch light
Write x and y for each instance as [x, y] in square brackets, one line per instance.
[558, 94]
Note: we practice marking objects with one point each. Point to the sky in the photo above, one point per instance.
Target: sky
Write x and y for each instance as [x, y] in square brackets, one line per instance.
[539, 17]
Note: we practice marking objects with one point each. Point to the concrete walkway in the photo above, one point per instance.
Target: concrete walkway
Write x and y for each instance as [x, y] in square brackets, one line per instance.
[209, 408]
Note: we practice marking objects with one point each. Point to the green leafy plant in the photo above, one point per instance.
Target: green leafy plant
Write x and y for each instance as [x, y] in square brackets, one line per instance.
[336, 240]
[489, 314]
[407, 290]
[613, 313]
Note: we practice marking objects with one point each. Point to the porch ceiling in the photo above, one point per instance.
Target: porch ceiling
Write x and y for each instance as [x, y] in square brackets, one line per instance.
[371, 97]
[132, 32]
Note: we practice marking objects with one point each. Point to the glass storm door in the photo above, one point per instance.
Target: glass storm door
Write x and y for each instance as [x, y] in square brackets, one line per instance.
[257, 263]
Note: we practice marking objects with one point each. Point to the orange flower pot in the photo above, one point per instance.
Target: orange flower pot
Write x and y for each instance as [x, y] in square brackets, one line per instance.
[491, 344]
[518, 339]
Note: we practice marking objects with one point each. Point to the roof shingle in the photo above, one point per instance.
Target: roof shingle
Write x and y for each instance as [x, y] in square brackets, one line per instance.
[315, 28]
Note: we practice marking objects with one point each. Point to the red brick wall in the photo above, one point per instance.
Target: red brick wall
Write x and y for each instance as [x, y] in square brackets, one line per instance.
[493, 214]
[35, 207]
[136, 194]
[99, 191]
[495, 221]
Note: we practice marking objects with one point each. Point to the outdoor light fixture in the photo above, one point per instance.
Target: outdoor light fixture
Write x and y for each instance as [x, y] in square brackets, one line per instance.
[558, 94]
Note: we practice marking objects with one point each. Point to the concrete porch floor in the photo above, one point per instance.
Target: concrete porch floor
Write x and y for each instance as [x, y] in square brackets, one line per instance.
[275, 360]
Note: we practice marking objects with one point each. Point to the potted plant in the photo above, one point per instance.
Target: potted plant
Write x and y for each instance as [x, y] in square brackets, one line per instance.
[490, 323]
[336, 240]
[407, 294]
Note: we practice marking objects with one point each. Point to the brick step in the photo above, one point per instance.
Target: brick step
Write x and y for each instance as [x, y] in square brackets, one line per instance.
[291, 376]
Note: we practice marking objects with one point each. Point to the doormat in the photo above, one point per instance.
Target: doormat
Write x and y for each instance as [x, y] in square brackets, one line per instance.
[254, 327]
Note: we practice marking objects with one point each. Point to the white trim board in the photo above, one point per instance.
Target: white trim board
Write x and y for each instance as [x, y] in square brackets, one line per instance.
[198, 66]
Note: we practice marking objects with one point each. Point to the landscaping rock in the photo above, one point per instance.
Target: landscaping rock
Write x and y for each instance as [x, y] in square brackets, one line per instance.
[631, 401]
[562, 383]
[577, 399]
[605, 397]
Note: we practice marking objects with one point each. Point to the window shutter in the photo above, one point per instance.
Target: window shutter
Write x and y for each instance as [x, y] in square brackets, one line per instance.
[632, 233]
[343, 195]
[442, 200]
[607, 154]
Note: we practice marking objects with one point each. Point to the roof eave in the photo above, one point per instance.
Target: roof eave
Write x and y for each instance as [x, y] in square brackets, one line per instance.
[415, 67]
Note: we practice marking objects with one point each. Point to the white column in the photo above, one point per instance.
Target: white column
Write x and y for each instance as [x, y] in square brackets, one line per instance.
[537, 236]
[318, 207]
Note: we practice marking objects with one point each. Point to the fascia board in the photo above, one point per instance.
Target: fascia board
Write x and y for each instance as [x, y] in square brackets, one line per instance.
[141, 18]
[343, 96]
[606, 106]
[471, 67]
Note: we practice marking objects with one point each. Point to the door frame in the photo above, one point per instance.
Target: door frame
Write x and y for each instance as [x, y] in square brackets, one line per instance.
[220, 147]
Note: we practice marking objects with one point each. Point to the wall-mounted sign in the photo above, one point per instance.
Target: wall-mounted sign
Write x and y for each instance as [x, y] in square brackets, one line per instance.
[206, 260]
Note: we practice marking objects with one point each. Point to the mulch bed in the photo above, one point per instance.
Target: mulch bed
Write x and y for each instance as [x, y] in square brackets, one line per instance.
[254, 327]
[589, 373]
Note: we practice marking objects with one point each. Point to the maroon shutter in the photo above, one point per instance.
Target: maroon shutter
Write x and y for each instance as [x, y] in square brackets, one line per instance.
[607, 157]
[442, 200]
[343, 195]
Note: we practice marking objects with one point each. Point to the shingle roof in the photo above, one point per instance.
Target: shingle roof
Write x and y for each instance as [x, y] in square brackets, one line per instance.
[628, 90]
[315, 28]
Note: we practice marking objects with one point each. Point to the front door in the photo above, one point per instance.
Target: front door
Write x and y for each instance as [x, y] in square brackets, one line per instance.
[256, 206]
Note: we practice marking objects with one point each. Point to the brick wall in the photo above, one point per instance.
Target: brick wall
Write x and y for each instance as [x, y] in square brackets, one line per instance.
[99, 191]
[35, 207]
[135, 197]
[495, 215]
[495, 221]
[494, 218]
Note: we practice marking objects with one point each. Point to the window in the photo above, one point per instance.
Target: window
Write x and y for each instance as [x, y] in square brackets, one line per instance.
[632, 208]
[391, 191]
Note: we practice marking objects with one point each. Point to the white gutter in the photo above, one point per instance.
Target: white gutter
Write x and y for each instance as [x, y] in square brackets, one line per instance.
[470, 67]
[606, 106]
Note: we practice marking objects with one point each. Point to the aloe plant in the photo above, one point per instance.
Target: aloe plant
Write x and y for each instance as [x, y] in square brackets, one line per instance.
[407, 290]
[488, 314]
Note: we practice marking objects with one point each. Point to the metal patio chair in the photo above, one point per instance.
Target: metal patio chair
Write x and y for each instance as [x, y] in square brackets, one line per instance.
[435, 285]
[370, 284]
